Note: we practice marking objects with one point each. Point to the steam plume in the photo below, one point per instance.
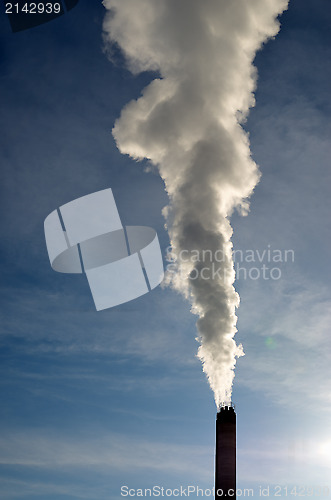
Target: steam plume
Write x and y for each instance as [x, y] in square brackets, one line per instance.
[187, 123]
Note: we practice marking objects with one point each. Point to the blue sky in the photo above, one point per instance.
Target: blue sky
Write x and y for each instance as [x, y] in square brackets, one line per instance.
[93, 401]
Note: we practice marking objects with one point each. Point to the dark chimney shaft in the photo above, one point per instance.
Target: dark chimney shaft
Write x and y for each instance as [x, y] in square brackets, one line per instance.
[225, 462]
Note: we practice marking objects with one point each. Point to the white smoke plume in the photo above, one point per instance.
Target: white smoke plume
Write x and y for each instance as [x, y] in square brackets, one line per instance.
[188, 123]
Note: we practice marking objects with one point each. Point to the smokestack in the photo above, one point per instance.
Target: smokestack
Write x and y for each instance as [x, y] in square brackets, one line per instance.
[226, 450]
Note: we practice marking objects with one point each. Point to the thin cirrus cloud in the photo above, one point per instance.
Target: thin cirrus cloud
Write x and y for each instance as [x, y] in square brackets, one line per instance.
[117, 451]
[142, 336]
[285, 461]
[289, 355]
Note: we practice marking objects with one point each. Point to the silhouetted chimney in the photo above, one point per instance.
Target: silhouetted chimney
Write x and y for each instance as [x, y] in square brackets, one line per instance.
[225, 457]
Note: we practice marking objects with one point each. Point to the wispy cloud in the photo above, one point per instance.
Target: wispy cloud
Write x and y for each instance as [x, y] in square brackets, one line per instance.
[109, 452]
[285, 460]
[288, 352]
[32, 317]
